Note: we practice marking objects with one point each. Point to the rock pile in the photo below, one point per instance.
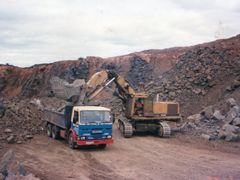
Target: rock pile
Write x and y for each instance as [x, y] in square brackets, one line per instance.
[196, 75]
[24, 118]
[231, 130]
[211, 124]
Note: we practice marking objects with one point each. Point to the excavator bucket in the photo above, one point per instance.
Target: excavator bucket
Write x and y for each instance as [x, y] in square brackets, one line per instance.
[97, 79]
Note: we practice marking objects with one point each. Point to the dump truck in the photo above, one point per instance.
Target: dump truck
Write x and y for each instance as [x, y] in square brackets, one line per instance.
[143, 113]
[81, 125]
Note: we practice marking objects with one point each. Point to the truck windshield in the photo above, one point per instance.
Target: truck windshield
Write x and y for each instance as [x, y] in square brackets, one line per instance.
[94, 117]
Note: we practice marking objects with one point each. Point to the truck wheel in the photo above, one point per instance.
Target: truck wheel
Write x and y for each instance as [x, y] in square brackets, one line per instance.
[102, 146]
[71, 142]
[49, 130]
[55, 132]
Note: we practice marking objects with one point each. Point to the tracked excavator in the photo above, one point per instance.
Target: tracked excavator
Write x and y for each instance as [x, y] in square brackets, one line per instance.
[142, 112]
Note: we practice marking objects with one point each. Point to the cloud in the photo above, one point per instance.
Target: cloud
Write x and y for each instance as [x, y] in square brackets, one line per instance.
[46, 31]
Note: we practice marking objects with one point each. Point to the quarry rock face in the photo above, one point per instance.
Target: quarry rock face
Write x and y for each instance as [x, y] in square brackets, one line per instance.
[201, 75]
[136, 67]
[203, 79]
[140, 72]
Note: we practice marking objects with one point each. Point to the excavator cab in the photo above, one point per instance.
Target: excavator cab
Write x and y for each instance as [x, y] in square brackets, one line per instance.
[135, 105]
[142, 106]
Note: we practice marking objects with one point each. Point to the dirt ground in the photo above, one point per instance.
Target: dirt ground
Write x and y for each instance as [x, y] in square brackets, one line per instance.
[140, 157]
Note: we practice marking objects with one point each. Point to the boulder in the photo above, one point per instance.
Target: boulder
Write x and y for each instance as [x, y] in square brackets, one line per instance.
[236, 109]
[7, 130]
[10, 139]
[231, 137]
[187, 126]
[207, 137]
[217, 115]
[236, 121]
[228, 128]
[207, 112]
[232, 114]
[236, 83]
[229, 88]
[29, 136]
[228, 136]
[222, 134]
[19, 142]
[191, 125]
[197, 91]
[231, 102]
[172, 94]
[195, 118]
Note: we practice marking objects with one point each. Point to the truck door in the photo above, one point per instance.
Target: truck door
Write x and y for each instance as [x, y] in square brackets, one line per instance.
[75, 121]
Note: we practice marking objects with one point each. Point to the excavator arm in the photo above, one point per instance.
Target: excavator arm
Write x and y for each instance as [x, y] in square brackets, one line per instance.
[101, 80]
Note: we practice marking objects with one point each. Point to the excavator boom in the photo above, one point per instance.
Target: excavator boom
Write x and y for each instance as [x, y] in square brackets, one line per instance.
[101, 80]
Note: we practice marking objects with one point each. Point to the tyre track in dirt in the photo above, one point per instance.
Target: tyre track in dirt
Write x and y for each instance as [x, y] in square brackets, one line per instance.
[140, 157]
[99, 170]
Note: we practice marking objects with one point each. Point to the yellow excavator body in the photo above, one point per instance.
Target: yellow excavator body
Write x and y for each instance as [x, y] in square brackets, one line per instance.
[142, 112]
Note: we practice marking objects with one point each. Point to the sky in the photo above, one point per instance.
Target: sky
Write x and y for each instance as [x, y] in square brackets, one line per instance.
[44, 31]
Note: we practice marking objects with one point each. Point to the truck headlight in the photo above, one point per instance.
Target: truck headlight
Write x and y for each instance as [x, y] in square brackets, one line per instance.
[83, 138]
[109, 137]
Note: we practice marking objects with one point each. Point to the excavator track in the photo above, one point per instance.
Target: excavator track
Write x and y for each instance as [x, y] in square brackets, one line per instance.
[125, 128]
[164, 130]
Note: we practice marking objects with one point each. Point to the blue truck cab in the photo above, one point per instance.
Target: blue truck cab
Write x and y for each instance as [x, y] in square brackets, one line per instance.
[82, 125]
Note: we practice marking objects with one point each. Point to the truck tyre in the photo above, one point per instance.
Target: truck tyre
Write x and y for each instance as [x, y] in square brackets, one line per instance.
[49, 130]
[71, 142]
[55, 132]
[102, 146]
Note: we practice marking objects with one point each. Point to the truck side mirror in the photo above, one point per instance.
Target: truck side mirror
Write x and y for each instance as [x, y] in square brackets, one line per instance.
[112, 117]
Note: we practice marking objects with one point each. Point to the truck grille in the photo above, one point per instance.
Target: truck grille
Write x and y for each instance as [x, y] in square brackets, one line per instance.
[172, 109]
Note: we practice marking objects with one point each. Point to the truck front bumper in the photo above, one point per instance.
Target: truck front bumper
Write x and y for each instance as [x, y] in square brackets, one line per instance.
[94, 142]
